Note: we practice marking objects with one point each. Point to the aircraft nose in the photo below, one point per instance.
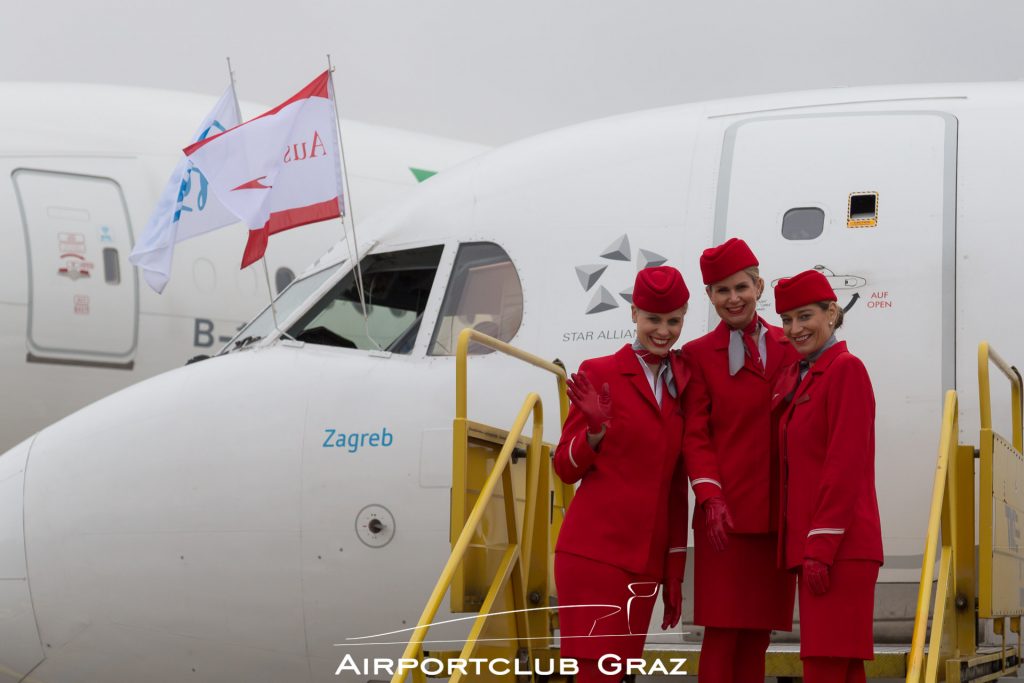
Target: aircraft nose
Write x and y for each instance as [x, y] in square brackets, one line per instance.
[20, 648]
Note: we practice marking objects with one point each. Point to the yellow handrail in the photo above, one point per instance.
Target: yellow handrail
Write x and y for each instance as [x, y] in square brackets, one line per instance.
[993, 453]
[987, 356]
[947, 446]
[564, 493]
[462, 353]
[951, 539]
[531, 406]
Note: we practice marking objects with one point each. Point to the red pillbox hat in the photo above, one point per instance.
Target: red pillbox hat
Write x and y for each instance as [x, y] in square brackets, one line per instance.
[802, 289]
[732, 256]
[660, 290]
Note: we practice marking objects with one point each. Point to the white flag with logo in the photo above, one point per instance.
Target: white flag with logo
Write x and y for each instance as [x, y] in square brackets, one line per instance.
[279, 170]
[186, 207]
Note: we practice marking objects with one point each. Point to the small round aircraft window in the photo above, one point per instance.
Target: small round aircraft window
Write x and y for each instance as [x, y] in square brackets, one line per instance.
[282, 278]
[484, 294]
[805, 223]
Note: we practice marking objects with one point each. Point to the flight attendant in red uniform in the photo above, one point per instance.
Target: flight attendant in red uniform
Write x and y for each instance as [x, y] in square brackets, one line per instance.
[830, 529]
[740, 593]
[625, 531]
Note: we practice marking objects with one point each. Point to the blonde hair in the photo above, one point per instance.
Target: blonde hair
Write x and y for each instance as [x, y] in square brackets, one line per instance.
[753, 271]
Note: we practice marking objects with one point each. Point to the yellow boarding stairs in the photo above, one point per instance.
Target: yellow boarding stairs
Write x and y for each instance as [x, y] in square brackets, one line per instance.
[507, 507]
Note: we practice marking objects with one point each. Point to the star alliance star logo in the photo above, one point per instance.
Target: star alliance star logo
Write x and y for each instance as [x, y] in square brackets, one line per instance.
[590, 274]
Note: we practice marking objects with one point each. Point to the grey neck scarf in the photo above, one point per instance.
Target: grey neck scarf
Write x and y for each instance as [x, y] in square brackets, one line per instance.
[805, 364]
[738, 350]
[669, 377]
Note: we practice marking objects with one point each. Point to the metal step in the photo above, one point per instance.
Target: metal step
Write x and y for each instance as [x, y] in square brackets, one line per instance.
[783, 659]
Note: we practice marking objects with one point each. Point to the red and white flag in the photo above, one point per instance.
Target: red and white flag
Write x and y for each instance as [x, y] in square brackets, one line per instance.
[279, 170]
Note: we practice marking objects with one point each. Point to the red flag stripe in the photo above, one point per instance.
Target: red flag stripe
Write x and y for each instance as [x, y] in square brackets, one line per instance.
[280, 221]
[254, 184]
[316, 88]
[255, 246]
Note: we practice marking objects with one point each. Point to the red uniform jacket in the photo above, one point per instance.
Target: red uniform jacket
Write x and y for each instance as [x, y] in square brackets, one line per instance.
[728, 442]
[630, 509]
[827, 452]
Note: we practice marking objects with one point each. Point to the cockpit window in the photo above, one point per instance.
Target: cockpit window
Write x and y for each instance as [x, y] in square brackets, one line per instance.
[484, 293]
[396, 286]
[294, 295]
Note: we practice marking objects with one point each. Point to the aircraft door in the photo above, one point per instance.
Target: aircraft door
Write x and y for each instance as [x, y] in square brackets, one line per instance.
[83, 293]
[870, 200]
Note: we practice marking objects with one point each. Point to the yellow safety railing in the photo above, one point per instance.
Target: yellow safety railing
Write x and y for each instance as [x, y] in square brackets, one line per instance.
[514, 558]
[1000, 483]
[462, 372]
[952, 513]
[987, 356]
[562, 492]
[524, 562]
[952, 654]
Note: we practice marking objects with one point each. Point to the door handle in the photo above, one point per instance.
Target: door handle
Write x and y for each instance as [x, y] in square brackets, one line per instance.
[111, 266]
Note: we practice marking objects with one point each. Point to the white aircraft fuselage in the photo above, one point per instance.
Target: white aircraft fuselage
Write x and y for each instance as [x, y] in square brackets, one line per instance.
[212, 521]
[85, 165]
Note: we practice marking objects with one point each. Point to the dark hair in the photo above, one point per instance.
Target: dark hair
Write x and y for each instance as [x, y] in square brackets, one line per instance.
[839, 309]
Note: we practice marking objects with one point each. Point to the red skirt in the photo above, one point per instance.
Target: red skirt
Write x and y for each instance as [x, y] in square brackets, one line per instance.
[839, 623]
[602, 609]
[741, 586]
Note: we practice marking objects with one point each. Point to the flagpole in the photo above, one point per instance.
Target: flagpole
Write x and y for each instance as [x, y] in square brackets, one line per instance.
[266, 270]
[346, 195]
[270, 293]
[234, 92]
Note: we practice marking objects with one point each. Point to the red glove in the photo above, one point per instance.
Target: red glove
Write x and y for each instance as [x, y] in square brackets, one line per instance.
[816, 576]
[672, 596]
[596, 408]
[719, 522]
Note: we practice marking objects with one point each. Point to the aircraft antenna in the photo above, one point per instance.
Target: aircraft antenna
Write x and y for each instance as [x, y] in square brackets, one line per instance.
[266, 270]
[346, 195]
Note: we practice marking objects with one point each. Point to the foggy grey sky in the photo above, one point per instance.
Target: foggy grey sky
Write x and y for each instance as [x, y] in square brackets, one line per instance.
[493, 72]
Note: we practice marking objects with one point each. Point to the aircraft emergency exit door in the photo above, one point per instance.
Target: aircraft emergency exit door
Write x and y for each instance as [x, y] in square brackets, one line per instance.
[869, 199]
[83, 292]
